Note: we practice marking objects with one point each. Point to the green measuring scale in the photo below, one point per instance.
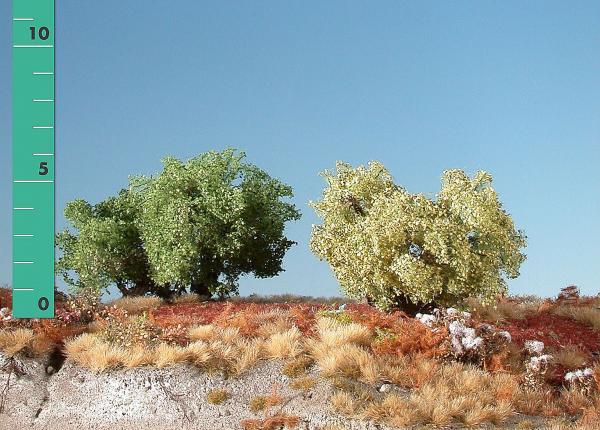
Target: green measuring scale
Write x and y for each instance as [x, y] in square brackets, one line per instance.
[33, 159]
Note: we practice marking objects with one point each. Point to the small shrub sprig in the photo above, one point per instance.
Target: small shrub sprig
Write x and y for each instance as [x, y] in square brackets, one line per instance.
[536, 365]
[82, 307]
[121, 329]
[582, 380]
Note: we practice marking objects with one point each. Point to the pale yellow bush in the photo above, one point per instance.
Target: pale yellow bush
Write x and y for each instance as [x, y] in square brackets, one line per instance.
[389, 245]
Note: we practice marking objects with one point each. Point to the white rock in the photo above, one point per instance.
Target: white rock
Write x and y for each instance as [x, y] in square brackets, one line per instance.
[385, 388]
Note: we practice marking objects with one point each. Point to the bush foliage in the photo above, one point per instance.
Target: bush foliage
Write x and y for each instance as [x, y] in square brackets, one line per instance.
[199, 224]
[393, 247]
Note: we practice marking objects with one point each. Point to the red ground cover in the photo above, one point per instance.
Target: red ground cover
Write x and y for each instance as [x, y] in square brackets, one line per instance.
[186, 314]
[553, 330]
[5, 298]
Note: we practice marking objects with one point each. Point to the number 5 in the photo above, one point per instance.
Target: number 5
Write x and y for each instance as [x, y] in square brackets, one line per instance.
[43, 168]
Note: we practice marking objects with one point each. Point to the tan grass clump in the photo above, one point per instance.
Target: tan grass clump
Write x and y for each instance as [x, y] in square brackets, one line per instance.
[187, 298]
[343, 403]
[222, 356]
[274, 321]
[530, 402]
[334, 333]
[198, 353]
[345, 360]
[584, 314]
[89, 351]
[138, 356]
[285, 345]
[297, 366]
[263, 403]
[168, 355]
[410, 371]
[304, 383]
[570, 357]
[216, 397]
[202, 332]
[250, 352]
[137, 304]
[14, 341]
[574, 402]
[456, 393]
[228, 335]
[277, 421]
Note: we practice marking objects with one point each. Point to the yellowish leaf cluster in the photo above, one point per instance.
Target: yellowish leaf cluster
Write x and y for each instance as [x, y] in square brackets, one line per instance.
[386, 244]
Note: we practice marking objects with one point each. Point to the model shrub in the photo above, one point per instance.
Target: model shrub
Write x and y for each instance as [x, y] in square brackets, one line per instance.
[398, 248]
[199, 224]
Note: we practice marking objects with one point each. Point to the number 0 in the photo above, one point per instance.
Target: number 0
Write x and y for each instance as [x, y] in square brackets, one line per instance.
[43, 303]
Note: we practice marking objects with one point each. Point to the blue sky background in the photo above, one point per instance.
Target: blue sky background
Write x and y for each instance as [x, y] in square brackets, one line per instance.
[509, 87]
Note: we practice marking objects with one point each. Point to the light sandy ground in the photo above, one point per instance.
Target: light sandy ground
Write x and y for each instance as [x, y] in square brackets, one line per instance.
[173, 398]
[170, 398]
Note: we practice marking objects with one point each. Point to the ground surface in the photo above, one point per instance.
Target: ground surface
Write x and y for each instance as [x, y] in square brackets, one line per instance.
[173, 398]
[169, 399]
[363, 369]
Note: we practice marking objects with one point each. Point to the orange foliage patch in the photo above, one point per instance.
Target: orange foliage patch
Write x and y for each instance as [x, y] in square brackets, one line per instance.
[399, 334]
[56, 332]
[496, 362]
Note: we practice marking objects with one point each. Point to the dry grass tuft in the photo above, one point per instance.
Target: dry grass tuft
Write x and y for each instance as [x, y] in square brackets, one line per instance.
[138, 356]
[304, 383]
[250, 352]
[456, 392]
[263, 403]
[333, 333]
[530, 402]
[89, 351]
[168, 355]
[285, 345]
[584, 314]
[138, 304]
[42, 345]
[187, 298]
[343, 403]
[344, 360]
[217, 396]
[297, 367]
[198, 353]
[228, 335]
[274, 321]
[574, 402]
[410, 371]
[392, 406]
[276, 422]
[14, 341]
[202, 332]
[570, 357]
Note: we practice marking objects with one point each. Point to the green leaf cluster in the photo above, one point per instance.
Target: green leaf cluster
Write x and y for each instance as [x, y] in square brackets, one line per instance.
[199, 224]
